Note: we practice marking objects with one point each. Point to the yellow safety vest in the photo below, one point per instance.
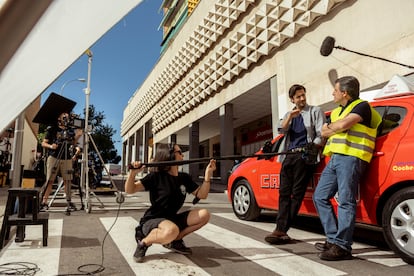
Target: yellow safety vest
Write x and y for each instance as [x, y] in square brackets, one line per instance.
[359, 140]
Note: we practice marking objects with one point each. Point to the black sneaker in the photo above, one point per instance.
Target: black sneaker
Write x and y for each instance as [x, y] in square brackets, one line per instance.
[71, 207]
[335, 253]
[323, 246]
[140, 252]
[139, 235]
[44, 207]
[179, 247]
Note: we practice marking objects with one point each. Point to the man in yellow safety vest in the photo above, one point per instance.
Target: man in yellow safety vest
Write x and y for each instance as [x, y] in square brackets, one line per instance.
[351, 135]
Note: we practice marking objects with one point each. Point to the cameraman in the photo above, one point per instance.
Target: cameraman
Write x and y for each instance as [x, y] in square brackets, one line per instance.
[58, 140]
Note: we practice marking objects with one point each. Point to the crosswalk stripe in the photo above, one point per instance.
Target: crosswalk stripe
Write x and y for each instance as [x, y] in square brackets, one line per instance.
[381, 257]
[158, 259]
[269, 227]
[31, 249]
[270, 257]
[312, 238]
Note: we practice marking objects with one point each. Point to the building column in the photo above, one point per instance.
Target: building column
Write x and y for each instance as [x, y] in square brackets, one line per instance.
[124, 157]
[172, 139]
[194, 139]
[226, 139]
[144, 144]
[147, 134]
[138, 144]
[274, 101]
[130, 148]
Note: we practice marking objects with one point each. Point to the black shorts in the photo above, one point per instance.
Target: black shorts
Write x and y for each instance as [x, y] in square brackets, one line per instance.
[180, 220]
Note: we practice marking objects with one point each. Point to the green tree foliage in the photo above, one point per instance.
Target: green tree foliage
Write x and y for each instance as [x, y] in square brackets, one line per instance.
[102, 136]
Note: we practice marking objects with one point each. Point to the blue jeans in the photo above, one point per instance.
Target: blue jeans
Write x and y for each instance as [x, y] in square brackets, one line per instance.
[342, 175]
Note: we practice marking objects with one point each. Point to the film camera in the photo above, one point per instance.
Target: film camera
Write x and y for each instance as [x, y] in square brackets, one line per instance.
[71, 122]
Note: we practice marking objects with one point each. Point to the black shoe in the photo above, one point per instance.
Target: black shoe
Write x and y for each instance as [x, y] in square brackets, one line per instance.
[140, 252]
[139, 235]
[71, 207]
[44, 207]
[179, 247]
[335, 253]
[323, 246]
[277, 237]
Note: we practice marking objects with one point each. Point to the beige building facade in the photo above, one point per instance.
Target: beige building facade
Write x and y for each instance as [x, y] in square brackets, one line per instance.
[220, 87]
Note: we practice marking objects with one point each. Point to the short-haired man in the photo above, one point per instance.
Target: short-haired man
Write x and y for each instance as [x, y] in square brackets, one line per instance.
[302, 127]
[351, 142]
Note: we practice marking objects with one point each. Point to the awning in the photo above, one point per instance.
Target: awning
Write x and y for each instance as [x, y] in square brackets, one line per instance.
[59, 37]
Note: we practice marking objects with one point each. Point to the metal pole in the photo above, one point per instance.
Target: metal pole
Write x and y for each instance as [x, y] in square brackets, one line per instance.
[85, 168]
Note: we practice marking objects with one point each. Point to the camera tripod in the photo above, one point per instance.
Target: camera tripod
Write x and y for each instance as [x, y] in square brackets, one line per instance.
[85, 175]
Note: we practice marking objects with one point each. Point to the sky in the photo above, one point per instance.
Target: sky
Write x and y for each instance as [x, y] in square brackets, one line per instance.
[121, 61]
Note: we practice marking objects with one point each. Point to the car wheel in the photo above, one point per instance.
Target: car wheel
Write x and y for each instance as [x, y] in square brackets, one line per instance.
[244, 203]
[398, 223]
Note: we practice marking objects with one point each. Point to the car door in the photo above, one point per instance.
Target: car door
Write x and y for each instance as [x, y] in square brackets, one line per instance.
[393, 129]
[268, 177]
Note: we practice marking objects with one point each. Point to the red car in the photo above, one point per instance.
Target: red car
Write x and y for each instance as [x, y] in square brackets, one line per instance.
[385, 196]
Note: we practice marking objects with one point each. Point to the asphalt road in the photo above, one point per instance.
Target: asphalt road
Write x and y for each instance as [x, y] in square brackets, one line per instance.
[104, 239]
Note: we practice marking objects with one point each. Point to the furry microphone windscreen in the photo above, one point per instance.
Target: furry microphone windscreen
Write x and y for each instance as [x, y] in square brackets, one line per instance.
[327, 46]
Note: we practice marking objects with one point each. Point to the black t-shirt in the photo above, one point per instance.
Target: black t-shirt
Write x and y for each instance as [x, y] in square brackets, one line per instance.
[363, 109]
[61, 137]
[167, 193]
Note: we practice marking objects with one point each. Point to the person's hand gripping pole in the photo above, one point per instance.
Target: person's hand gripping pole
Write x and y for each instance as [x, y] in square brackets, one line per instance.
[131, 186]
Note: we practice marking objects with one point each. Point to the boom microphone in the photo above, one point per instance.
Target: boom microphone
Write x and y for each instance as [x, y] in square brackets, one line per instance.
[207, 159]
[328, 45]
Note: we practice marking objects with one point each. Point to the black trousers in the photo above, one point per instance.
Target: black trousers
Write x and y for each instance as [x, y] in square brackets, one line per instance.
[294, 178]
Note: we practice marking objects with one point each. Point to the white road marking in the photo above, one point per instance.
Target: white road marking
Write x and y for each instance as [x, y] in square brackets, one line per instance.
[381, 257]
[32, 250]
[268, 256]
[312, 238]
[158, 260]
